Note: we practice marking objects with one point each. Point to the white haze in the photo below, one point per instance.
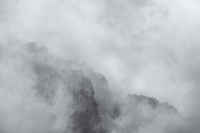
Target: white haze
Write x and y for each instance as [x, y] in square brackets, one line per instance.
[148, 47]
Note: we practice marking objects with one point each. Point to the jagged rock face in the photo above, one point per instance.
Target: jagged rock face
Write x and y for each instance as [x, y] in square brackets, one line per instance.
[85, 117]
[139, 113]
[92, 108]
[137, 100]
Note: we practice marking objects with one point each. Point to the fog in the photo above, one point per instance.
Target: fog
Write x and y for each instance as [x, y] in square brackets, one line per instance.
[148, 47]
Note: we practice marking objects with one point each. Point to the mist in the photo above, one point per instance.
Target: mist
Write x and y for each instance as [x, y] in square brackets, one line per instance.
[144, 47]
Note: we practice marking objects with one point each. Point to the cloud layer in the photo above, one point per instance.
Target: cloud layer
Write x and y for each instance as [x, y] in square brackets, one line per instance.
[143, 47]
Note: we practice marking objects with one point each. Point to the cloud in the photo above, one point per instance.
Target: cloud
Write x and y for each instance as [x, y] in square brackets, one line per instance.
[143, 47]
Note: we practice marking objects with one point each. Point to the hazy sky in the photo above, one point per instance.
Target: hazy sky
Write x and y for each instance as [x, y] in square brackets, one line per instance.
[148, 47]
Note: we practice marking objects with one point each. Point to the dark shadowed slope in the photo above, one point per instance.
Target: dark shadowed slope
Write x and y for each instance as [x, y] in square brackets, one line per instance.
[53, 74]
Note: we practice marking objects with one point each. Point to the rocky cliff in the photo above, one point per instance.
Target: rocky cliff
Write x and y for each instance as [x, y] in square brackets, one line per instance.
[74, 97]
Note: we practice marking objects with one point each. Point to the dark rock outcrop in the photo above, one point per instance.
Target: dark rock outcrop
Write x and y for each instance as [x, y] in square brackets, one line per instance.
[94, 110]
[50, 78]
[138, 112]
[136, 100]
